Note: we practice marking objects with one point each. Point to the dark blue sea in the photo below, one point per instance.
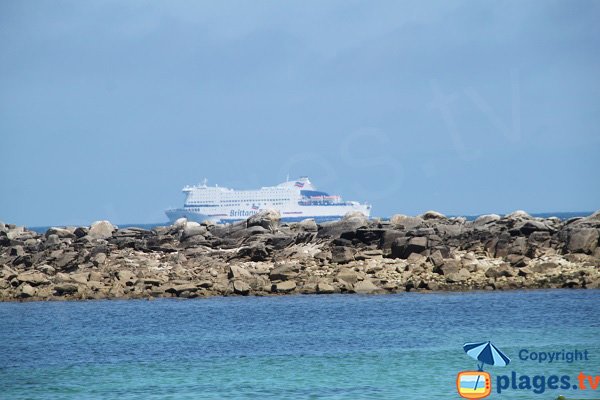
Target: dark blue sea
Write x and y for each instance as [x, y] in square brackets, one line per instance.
[406, 346]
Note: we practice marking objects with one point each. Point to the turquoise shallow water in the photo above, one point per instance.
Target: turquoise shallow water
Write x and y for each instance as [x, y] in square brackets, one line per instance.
[406, 346]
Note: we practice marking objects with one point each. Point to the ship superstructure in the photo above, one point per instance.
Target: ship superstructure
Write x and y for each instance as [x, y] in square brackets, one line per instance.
[295, 200]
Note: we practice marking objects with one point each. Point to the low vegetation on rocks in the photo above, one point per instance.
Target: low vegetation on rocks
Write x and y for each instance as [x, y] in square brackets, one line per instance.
[262, 256]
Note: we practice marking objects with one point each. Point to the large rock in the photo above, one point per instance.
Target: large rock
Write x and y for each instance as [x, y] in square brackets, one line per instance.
[27, 291]
[348, 275]
[370, 236]
[500, 270]
[101, 230]
[325, 288]
[450, 230]
[436, 259]
[593, 219]
[308, 225]
[355, 216]
[254, 251]
[278, 241]
[284, 287]
[543, 267]
[33, 278]
[283, 272]
[237, 272]
[388, 237]
[519, 214]
[15, 232]
[486, 219]
[181, 288]
[5, 278]
[404, 247]
[125, 277]
[81, 231]
[539, 239]
[366, 287]
[459, 276]
[180, 223]
[530, 226]
[583, 240]
[241, 287]
[335, 229]
[400, 220]
[16, 251]
[227, 230]
[99, 259]
[268, 219]
[447, 267]
[247, 232]
[80, 277]
[52, 241]
[62, 233]
[342, 254]
[192, 229]
[66, 260]
[433, 215]
[517, 260]
[65, 288]
[46, 269]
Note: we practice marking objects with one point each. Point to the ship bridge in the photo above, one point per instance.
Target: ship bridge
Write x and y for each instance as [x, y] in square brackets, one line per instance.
[313, 193]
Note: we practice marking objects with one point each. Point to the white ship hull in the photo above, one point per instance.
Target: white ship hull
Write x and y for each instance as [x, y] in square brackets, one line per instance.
[295, 201]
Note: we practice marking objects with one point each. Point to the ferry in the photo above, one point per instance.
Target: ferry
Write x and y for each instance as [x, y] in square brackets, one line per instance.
[295, 200]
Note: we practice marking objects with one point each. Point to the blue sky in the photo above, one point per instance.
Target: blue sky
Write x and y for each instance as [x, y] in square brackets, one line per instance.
[108, 108]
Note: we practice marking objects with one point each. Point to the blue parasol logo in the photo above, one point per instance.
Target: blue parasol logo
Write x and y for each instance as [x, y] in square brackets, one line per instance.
[477, 384]
[486, 353]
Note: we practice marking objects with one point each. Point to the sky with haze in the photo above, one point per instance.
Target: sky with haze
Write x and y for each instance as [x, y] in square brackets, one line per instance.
[108, 108]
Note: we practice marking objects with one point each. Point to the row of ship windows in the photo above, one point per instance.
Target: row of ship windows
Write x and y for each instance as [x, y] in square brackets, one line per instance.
[234, 201]
[237, 201]
[236, 204]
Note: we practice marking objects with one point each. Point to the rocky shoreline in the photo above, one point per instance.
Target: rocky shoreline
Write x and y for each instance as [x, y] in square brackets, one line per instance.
[262, 256]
